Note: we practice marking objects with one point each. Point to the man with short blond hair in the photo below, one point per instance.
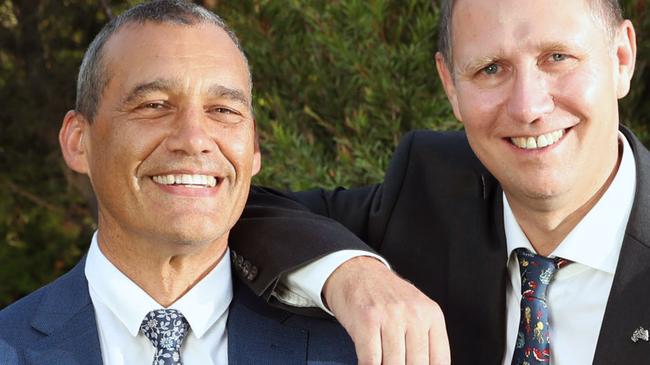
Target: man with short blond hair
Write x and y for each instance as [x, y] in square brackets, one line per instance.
[529, 228]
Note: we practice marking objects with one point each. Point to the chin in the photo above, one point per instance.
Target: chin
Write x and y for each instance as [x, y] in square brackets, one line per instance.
[193, 234]
[544, 191]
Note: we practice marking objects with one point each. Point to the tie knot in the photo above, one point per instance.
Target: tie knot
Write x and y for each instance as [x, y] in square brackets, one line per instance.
[536, 272]
[166, 329]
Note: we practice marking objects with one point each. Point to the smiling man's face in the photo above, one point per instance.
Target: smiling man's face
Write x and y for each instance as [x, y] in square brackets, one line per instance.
[172, 148]
[536, 85]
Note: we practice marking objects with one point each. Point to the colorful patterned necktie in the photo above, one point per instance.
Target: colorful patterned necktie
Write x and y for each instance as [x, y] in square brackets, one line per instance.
[166, 329]
[534, 339]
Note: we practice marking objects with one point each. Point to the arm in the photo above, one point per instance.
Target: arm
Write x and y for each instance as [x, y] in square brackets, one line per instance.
[278, 235]
[280, 232]
[377, 308]
[298, 224]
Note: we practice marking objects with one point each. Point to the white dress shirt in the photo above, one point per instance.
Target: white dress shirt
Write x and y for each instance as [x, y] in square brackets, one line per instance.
[121, 305]
[578, 294]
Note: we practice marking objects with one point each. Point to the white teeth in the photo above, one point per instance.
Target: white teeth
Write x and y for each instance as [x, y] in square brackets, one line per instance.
[519, 141]
[531, 143]
[544, 140]
[188, 180]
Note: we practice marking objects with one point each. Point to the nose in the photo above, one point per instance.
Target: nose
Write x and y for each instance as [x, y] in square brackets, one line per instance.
[189, 135]
[530, 98]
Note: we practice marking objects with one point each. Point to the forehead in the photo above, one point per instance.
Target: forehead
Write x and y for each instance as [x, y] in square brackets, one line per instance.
[512, 24]
[200, 55]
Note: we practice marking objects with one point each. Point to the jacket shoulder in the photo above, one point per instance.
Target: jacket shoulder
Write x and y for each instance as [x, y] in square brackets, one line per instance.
[18, 315]
[440, 162]
[445, 148]
[8, 355]
[33, 316]
[16, 331]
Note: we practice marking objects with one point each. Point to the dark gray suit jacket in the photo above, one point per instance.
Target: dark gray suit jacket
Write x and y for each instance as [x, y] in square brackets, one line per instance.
[438, 219]
[56, 326]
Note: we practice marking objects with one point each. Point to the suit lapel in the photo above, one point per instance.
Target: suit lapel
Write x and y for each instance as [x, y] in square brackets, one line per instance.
[66, 319]
[477, 283]
[255, 332]
[628, 307]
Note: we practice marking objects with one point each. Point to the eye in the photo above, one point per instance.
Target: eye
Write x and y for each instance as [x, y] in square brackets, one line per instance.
[155, 105]
[490, 73]
[223, 110]
[224, 114]
[491, 69]
[558, 57]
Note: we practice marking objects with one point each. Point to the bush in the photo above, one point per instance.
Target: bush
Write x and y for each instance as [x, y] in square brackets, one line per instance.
[337, 83]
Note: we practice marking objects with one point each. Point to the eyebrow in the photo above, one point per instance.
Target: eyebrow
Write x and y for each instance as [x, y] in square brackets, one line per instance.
[141, 90]
[221, 91]
[557, 46]
[473, 64]
[168, 85]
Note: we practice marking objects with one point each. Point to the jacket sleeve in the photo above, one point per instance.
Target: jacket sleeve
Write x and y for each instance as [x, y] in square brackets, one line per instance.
[281, 231]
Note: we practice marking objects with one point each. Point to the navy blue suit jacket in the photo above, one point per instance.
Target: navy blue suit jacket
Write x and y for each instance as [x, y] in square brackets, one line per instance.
[56, 325]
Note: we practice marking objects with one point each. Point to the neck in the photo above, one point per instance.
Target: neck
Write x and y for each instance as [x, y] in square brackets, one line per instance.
[164, 271]
[547, 222]
[547, 229]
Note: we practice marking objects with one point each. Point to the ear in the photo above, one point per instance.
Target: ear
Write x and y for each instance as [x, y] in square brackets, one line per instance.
[625, 43]
[72, 141]
[257, 155]
[448, 84]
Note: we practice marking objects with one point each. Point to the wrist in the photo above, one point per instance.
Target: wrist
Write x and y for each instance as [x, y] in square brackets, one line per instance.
[342, 280]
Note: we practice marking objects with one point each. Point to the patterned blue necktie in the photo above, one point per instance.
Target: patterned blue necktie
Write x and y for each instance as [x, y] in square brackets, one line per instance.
[166, 329]
[533, 345]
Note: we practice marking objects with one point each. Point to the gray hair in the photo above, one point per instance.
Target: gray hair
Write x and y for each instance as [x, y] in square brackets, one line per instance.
[608, 11]
[93, 73]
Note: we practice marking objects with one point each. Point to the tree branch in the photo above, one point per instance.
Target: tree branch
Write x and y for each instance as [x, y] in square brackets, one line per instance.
[30, 196]
[107, 8]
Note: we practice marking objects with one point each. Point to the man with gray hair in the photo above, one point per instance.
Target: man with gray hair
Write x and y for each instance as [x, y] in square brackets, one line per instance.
[163, 127]
[530, 228]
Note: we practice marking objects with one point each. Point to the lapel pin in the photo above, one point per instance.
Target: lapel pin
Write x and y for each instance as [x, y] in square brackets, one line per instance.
[640, 334]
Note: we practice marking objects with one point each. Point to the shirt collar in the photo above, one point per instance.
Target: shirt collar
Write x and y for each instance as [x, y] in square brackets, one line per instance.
[202, 305]
[596, 240]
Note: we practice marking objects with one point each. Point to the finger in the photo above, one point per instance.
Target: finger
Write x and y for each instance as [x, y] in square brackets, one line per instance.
[367, 344]
[393, 344]
[417, 347]
[439, 353]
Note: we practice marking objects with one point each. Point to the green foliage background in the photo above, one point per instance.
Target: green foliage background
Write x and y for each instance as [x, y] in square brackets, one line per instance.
[337, 83]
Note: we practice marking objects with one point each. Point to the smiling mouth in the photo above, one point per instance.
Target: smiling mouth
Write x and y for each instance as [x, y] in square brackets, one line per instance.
[190, 181]
[536, 142]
